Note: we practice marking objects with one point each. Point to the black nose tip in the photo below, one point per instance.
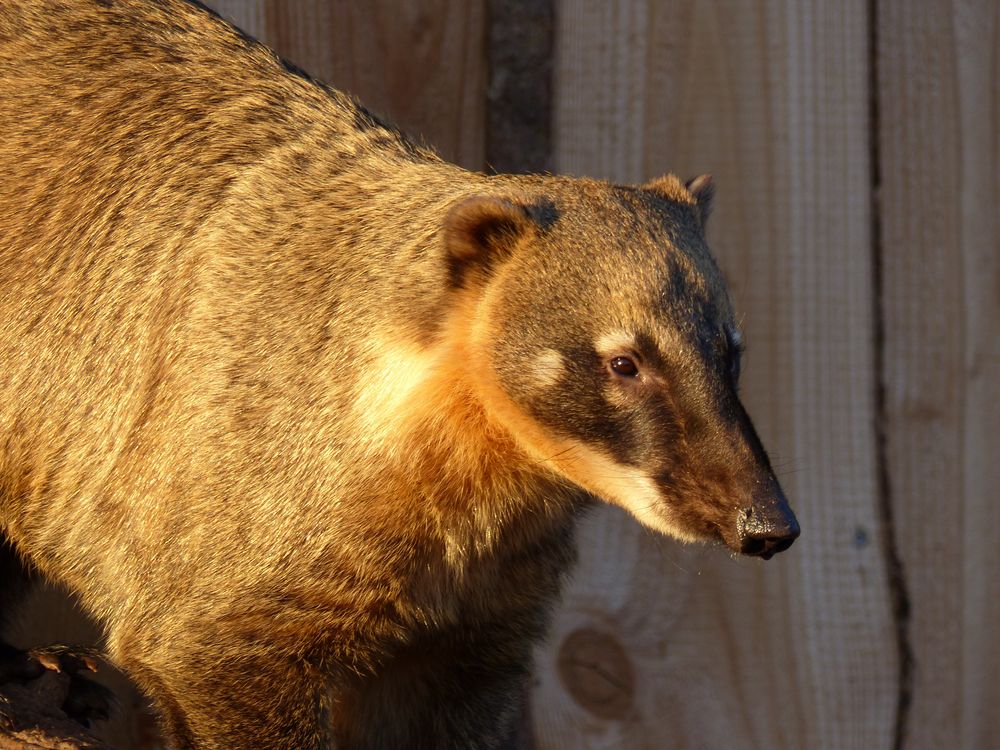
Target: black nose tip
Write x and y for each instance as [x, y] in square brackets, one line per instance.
[766, 547]
[765, 534]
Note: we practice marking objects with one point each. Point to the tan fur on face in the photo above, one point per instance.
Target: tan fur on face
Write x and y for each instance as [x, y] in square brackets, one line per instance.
[625, 486]
[586, 467]
[549, 368]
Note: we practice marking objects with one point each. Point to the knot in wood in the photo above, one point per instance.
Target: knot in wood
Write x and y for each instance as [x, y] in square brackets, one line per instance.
[597, 673]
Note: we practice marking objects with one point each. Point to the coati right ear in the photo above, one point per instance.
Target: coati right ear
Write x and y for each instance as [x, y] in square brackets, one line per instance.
[480, 231]
[703, 190]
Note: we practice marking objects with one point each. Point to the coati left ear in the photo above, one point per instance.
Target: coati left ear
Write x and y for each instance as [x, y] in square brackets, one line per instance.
[703, 190]
[699, 188]
[481, 231]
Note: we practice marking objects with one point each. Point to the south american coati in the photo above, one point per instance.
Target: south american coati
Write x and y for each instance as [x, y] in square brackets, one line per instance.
[304, 414]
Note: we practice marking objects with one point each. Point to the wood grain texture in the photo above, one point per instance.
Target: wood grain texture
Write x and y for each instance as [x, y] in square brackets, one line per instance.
[939, 145]
[422, 65]
[772, 98]
[247, 14]
[519, 114]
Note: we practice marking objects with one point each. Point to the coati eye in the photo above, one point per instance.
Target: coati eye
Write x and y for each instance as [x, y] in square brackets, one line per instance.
[734, 365]
[624, 366]
[736, 348]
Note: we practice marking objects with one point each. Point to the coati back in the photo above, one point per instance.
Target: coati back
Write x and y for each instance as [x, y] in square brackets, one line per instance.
[304, 414]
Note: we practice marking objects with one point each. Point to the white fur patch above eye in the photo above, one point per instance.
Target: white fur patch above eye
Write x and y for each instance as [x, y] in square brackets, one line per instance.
[615, 342]
[736, 337]
[549, 368]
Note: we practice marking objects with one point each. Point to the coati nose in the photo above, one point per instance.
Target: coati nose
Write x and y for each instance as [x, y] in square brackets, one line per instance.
[766, 531]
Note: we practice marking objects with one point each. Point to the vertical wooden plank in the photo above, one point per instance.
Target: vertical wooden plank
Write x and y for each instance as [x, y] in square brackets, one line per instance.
[939, 146]
[519, 112]
[246, 14]
[772, 98]
[421, 65]
[520, 39]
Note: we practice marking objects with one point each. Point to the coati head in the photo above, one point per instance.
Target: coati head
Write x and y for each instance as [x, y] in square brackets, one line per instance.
[603, 339]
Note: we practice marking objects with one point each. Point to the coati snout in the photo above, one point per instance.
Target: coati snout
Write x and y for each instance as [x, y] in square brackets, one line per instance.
[767, 527]
[608, 332]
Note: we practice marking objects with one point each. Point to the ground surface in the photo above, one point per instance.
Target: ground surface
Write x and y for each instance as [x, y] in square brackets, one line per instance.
[30, 717]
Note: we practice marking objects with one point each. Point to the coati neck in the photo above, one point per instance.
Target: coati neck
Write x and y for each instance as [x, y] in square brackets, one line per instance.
[428, 420]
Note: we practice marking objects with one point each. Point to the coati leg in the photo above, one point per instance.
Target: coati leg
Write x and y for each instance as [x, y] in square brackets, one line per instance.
[237, 697]
[458, 691]
[85, 700]
[171, 716]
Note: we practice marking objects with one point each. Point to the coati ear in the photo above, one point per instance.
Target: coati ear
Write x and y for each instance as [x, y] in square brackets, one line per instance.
[480, 231]
[703, 190]
[699, 188]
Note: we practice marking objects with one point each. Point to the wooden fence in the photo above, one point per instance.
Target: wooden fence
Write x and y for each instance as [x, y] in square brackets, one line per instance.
[855, 147]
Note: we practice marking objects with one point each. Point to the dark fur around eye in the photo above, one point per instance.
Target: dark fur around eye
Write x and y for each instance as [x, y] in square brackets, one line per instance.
[624, 366]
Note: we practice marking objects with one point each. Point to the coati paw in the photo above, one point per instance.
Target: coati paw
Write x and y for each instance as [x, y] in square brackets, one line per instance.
[68, 659]
[85, 700]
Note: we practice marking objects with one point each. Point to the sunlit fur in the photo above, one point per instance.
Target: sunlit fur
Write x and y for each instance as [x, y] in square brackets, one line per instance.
[549, 368]
[304, 415]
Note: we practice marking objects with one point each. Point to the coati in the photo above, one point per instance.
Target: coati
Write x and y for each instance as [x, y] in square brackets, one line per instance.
[303, 414]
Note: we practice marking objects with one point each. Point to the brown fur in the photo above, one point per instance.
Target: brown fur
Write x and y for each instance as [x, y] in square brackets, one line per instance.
[261, 398]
